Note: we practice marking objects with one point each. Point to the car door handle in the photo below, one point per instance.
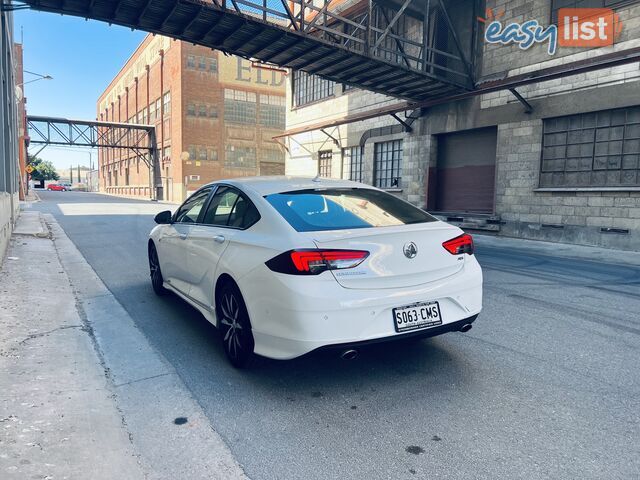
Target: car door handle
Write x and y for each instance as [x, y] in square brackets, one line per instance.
[183, 236]
[218, 239]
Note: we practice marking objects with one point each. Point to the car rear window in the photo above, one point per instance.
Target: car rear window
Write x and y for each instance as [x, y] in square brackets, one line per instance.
[344, 208]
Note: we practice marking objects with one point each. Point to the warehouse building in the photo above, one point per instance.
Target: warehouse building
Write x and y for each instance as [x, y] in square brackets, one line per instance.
[553, 160]
[215, 117]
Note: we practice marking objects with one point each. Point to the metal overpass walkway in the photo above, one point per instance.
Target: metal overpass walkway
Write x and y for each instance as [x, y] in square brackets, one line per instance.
[405, 48]
[140, 139]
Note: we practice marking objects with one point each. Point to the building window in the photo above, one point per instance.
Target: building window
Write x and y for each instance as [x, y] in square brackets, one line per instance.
[166, 155]
[191, 62]
[166, 100]
[152, 112]
[191, 110]
[213, 154]
[599, 149]
[272, 111]
[213, 65]
[213, 112]
[387, 158]
[192, 152]
[144, 116]
[239, 106]
[558, 4]
[202, 110]
[310, 88]
[202, 153]
[271, 155]
[202, 63]
[240, 157]
[324, 163]
[352, 160]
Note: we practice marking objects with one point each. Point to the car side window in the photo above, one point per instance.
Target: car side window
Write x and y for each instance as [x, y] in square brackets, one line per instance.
[190, 210]
[230, 208]
[244, 214]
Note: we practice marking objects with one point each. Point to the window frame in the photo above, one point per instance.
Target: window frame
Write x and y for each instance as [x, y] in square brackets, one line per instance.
[577, 150]
[325, 156]
[394, 161]
[348, 152]
[218, 186]
[204, 205]
[313, 91]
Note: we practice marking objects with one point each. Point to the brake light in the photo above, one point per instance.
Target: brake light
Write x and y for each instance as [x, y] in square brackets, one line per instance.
[313, 262]
[460, 245]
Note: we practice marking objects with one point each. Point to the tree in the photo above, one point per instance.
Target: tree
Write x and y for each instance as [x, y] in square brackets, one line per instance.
[42, 170]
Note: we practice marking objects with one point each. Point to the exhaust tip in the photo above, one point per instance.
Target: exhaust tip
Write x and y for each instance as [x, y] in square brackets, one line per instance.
[466, 327]
[349, 354]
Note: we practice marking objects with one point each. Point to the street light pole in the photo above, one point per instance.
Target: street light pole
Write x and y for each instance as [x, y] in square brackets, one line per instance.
[39, 75]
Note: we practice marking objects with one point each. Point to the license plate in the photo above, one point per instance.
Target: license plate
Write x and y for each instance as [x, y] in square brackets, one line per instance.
[417, 316]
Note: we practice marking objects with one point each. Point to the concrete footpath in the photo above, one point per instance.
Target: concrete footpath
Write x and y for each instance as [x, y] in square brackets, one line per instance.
[82, 393]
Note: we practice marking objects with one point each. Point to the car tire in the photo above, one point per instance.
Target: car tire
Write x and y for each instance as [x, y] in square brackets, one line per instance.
[235, 326]
[155, 272]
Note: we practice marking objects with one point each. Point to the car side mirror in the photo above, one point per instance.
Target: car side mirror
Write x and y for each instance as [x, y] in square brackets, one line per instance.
[163, 218]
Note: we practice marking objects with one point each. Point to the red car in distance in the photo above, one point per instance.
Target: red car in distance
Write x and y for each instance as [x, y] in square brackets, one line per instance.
[57, 187]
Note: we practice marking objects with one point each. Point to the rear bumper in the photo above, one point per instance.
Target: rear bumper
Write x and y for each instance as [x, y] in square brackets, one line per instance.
[292, 316]
[428, 333]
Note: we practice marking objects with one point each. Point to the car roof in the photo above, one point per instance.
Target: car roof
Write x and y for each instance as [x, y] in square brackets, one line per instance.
[278, 184]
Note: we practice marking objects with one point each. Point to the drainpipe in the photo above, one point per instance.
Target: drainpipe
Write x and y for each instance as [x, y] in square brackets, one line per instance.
[126, 119]
[159, 185]
[136, 121]
[113, 150]
[152, 171]
[120, 159]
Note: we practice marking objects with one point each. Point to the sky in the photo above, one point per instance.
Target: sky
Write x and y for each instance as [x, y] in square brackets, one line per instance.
[82, 57]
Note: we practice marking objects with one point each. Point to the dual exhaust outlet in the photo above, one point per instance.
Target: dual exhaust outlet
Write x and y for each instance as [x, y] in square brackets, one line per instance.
[352, 354]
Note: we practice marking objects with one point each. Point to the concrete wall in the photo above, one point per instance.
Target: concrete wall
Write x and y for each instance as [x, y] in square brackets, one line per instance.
[8, 133]
[564, 216]
[526, 210]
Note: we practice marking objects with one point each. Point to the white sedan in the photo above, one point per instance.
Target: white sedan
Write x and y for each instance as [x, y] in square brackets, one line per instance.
[284, 266]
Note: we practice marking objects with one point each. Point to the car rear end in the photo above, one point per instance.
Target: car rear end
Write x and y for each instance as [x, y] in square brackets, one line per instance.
[369, 267]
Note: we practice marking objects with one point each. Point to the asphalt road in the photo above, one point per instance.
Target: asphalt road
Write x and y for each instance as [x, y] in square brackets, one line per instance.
[546, 384]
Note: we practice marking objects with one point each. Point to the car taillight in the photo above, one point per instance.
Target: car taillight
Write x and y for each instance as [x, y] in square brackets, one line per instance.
[460, 245]
[313, 262]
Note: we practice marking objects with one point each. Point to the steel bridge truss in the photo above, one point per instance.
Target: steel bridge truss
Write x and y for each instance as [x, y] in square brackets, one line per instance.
[393, 32]
[405, 48]
[140, 139]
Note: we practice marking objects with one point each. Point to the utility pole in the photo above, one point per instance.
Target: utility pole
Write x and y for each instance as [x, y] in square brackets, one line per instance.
[71, 174]
[79, 179]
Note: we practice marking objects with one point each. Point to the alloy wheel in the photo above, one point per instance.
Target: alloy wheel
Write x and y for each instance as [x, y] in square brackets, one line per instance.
[237, 338]
[156, 274]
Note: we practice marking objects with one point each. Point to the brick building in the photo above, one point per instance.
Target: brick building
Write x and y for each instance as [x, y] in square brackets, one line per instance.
[215, 117]
[569, 170]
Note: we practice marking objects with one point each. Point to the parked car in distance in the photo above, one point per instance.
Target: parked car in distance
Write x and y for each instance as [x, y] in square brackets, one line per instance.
[284, 266]
[79, 187]
[57, 187]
